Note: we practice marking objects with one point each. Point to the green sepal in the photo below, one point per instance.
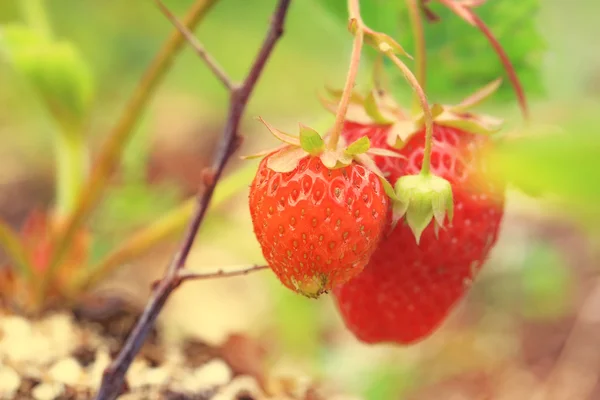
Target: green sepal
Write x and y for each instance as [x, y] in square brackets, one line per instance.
[286, 160]
[472, 123]
[479, 96]
[311, 141]
[423, 198]
[359, 146]
[400, 133]
[334, 159]
[283, 136]
[384, 43]
[355, 97]
[374, 110]
[368, 163]
[377, 151]
[263, 153]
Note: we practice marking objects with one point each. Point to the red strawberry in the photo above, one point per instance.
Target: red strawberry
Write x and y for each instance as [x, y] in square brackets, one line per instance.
[408, 289]
[317, 227]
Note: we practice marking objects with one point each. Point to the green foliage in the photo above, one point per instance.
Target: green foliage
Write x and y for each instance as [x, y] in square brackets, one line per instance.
[56, 72]
[564, 165]
[389, 382]
[466, 56]
[546, 284]
[460, 58]
[296, 322]
[132, 205]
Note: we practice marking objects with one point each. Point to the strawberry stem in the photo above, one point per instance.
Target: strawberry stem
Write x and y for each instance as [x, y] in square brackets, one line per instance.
[420, 47]
[355, 22]
[428, 118]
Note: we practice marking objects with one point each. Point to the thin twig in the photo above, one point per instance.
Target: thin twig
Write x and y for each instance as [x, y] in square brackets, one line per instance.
[212, 64]
[112, 149]
[10, 242]
[114, 375]
[221, 273]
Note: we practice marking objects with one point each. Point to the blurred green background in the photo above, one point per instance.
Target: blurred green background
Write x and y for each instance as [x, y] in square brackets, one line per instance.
[540, 268]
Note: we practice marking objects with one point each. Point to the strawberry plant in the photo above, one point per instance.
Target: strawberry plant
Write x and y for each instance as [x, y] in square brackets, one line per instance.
[392, 209]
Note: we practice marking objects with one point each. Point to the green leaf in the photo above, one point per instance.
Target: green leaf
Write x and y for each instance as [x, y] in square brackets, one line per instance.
[311, 141]
[359, 146]
[56, 71]
[468, 60]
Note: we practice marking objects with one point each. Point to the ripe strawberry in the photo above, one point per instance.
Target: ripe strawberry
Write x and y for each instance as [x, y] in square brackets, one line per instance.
[317, 227]
[408, 289]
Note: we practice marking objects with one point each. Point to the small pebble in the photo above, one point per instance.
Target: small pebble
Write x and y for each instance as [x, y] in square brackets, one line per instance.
[47, 391]
[214, 373]
[97, 369]
[9, 381]
[67, 371]
[242, 386]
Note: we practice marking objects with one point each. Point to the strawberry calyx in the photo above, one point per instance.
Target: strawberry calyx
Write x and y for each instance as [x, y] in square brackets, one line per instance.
[378, 107]
[310, 143]
[423, 198]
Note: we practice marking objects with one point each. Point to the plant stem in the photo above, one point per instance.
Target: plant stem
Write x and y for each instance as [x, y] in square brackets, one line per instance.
[212, 64]
[510, 69]
[13, 248]
[35, 14]
[351, 77]
[114, 375]
[428, 118]
[420, 47]
[112, 149]
[71, 170]
[221, 273]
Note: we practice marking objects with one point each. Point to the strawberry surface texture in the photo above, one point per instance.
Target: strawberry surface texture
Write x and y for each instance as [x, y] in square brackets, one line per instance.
[408, 289]
[317, 227]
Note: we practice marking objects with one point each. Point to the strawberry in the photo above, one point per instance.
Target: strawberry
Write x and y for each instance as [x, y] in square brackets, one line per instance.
[408, 289]
[318, 211]
[317, 227]
[422, 269]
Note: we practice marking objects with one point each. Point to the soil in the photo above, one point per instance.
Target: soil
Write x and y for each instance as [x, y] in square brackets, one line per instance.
[63, 355]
